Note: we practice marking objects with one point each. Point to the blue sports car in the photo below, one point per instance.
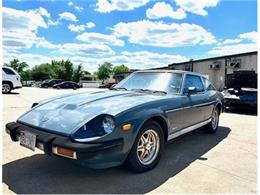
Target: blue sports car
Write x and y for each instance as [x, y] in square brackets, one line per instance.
[128, 124]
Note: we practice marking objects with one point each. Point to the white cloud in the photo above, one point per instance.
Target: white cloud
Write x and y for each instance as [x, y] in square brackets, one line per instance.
[20, 27]
[43, 12]
[82, 27]
[252, 36]
[84, 49]
[78, 8]
[162, 9]
[230, 41]
[233, 49]
[70, 3]
[106, 6]
[146, 59]
[244, 37]
[160, 34]
[100, 38]
[17, 19]
[68, 16]
[245, 42]
[134, 60]
[196, 6]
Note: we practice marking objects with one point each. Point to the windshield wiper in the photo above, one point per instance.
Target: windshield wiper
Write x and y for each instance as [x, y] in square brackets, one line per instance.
[150, 91]
[119, 88]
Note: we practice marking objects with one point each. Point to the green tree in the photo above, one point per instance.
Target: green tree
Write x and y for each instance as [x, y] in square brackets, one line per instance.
[43, 72]
[17, 65]
[20, 68]
[77, 73]
[120, 68]
[63, 69]
[26, 75]
[104, 71]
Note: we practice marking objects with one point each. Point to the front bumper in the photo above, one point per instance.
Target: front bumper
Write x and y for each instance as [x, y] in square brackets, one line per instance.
[95, 155]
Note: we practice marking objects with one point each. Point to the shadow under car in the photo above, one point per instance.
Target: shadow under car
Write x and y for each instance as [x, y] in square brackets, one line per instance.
[43, 174]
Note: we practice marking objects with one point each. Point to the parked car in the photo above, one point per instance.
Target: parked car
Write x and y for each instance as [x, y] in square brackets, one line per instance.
[66, 85]
[10, 79]
[107, 85]
[50, 83]
[129, 124]
[241, 91]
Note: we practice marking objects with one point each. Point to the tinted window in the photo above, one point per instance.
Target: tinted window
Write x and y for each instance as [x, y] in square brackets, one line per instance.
[8, 71]
[193, 81]
[207, 84]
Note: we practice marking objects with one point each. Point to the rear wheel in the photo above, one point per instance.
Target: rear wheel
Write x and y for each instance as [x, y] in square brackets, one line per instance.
[146, 151]
[6, 88]
[212, 126]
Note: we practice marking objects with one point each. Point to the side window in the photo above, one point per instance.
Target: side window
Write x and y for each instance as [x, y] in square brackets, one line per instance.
[193, 81]
[8, 71]
[207, 84]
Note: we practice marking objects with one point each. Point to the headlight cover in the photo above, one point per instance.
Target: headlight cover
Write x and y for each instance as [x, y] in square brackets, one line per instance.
[95, 129]
[108, 124]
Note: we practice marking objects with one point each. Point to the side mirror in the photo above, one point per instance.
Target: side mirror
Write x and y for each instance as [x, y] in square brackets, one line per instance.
[112, 86]
[191, 90]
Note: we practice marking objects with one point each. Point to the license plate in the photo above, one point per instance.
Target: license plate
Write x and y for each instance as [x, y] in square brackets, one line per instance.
[27, 140]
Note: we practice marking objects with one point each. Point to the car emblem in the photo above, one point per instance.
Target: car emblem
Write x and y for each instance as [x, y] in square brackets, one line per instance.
[44, 119]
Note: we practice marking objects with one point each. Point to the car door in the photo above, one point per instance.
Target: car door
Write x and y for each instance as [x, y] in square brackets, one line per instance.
[210, 102]
[194, 102]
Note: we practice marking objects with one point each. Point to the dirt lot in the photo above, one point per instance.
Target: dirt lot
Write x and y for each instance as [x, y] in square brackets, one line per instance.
[196, 163]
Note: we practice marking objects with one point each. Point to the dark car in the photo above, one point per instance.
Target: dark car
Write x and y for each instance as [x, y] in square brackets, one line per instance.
[66, 85]
[241, 90]
[129, 124]
[50, 83]
[107, 85]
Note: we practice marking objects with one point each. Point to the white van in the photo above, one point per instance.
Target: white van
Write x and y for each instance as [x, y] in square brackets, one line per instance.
[10, 79]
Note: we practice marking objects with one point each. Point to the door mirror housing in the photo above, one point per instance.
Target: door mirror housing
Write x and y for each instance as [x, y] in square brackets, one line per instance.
[191, 90]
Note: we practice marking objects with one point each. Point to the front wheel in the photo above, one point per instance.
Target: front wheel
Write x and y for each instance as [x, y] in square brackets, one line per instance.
[212, 127]
[147, 149]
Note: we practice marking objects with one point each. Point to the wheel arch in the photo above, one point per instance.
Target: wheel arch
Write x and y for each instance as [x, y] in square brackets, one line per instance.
[219, 107]
[9, 82]
[162, 121]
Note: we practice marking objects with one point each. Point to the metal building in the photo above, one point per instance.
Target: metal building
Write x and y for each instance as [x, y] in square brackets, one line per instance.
[216, 69]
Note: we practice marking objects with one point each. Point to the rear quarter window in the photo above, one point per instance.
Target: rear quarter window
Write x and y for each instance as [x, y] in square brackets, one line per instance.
[8, 71]
[193, 81]
[208, 85]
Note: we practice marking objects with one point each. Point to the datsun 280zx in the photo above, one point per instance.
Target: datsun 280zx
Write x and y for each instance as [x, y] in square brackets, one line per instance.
[128, 124]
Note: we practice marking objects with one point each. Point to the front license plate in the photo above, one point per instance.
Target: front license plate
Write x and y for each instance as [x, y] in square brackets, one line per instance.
[27, 140]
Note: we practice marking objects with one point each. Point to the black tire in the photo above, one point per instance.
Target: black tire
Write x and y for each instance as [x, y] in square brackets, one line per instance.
[133, 162]
[212, 126]
[6, 88]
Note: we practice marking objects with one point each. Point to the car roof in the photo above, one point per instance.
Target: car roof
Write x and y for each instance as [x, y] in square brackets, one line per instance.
[171, 71]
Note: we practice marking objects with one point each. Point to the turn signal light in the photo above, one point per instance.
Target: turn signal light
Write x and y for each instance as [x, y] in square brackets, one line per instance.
[64, 152]
[126, 127]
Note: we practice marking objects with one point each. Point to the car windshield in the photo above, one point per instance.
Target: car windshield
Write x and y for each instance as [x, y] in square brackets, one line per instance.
[154, 81]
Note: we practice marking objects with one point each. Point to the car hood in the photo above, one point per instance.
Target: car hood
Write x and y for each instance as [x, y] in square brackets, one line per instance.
[66, 114]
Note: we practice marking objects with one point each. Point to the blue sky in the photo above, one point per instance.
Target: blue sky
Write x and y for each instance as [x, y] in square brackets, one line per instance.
[137, 33]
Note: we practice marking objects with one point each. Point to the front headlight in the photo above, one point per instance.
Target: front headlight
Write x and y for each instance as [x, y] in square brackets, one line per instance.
[95, 129]
[108, 124]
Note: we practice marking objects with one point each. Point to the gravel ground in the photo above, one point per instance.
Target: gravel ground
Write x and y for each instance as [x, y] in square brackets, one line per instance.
[196, 163]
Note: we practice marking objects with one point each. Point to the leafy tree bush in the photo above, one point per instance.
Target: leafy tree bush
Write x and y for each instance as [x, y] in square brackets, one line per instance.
[120, 68]
[104, 71]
